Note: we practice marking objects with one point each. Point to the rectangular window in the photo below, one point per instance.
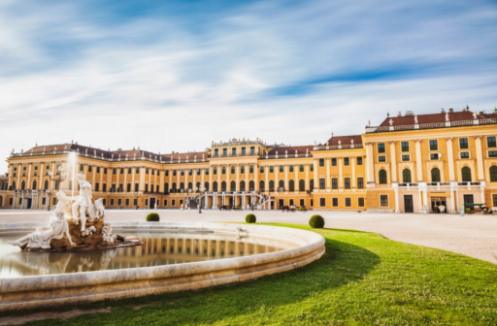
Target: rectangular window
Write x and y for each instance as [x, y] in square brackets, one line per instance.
[225, 152]
[244, 151]
[360, 183]
[381, 158]
[290, 168]
[492, 153]
[321, 183]
[346, 161]
[359, 161]
[334, 162]
[233, 151]
[494, 199]
[334, 183]
[433, 145]
[491, 141]
[281, 168]
[252, 150]
[271, 169]
[335, 202]
[384, 200]
[348, 202]
[406, 157]
[463, 143]
[346, 183]
[322, 202]
[321, 162]
[261, 169]
[381, 147]
[434, 156]
[216, 152]
[360, 202]
[301, 168]
[464, 154]
[404, 146]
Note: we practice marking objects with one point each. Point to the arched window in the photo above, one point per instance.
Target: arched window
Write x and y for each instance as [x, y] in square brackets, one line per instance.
[301, 185]
[435, 175]
[466, 174]
[14, 185]
[382, 177]
[406, 176]
[223, 186]
[173, 188]
[166, 188]
[311, 184]
[251, 186]
[23, 185]
[190, 186]
[262, 186]
[242, 186]
[493, 173]
[45, 186]
[291, 185]
[271, 185]
[233, 186]
[281, 185]
[34, 185]
[182, 187]
[214, 186]
[206, 186]
[197, 186]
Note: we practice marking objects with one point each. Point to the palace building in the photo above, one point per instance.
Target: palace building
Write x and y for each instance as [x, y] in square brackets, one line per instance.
[440, 162]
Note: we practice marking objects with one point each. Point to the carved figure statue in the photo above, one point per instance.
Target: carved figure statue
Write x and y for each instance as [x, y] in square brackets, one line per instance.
[83, 206]
[57, 227]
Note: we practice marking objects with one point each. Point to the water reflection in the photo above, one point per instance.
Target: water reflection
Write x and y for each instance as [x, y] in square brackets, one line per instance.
[155, 250]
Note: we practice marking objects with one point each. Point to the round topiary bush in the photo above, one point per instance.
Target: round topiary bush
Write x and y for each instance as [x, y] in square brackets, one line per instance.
[250, 218]
[316, 222]
[153, 217]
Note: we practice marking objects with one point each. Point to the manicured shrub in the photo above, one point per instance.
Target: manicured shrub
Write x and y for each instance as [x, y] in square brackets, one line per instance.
[316, 222]
[250, 218]
[153, 217]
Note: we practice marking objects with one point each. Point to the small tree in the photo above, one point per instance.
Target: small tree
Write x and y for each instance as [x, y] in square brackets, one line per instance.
[316, 222]
[250, 218]
[153, 217]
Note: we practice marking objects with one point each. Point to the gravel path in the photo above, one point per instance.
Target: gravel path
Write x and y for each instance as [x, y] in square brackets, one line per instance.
[471, 235]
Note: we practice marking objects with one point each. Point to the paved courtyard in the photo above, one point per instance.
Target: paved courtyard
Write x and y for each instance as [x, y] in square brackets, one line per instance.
[471, 235]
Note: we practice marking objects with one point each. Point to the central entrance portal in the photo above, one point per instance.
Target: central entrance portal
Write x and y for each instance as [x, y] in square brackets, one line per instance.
[408, 204]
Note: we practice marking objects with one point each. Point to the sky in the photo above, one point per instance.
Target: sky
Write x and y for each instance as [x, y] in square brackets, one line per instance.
[177, 75]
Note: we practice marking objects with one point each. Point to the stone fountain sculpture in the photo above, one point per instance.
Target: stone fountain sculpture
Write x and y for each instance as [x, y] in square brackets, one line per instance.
[76, 224]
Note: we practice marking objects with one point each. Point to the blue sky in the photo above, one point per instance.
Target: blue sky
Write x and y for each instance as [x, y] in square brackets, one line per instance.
[176, 75]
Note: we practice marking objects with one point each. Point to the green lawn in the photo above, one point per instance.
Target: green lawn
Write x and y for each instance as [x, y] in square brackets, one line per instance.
[362, 279]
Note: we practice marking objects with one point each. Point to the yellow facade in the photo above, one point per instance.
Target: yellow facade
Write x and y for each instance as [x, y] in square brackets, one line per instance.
[427, 163]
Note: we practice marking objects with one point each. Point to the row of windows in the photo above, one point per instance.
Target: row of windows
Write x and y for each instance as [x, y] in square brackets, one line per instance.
[346, 161]
[436, 176]
[463, 144]
[335, 202]
[243, 151]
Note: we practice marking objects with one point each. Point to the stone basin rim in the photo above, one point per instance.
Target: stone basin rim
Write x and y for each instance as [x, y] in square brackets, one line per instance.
[309, 246]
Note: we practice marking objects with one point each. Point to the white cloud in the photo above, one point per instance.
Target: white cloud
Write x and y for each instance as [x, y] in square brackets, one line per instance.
[150, 82]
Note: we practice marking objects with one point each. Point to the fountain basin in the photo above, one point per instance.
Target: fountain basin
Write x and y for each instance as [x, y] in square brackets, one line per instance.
[293, 248]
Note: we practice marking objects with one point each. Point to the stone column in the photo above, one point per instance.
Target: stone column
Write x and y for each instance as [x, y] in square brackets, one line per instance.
[142, 179]
[340, 173]
[328, 174]
[256, 177]
[286, 177]
[419, 164]
[266, 178]
[450, 159]
[306, 172]
[479, 160]
[202, 181]
[353, 181]
[393, 162]
[315, 175]
[237, 172]
[369, 164]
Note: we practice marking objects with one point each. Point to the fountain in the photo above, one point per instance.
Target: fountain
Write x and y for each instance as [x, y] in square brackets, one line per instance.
[76, 223]
[77, 258]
